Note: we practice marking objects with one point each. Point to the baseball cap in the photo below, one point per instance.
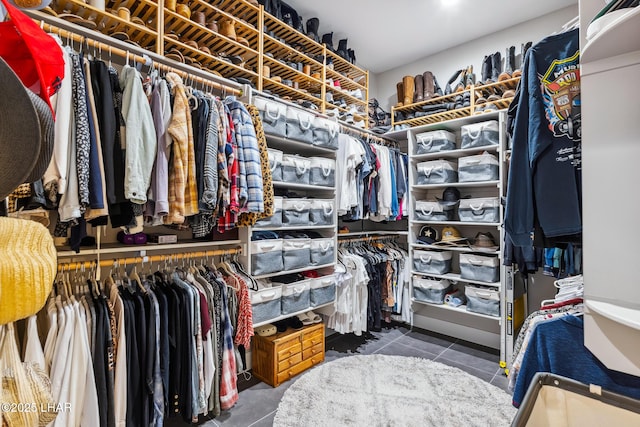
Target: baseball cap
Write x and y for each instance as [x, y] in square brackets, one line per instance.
[428, 235]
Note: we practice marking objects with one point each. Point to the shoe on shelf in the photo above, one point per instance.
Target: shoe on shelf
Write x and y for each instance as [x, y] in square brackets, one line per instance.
[336, 84]
[356, 93]
[315, 318]
[332, 112]
[306, 320]
[328, 96]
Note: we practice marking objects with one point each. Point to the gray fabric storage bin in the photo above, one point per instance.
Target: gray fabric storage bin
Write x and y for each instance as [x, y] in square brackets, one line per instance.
[432, 211]
[485, 209]
[322, 251]
[479, 267]
[273, 115]
[323, 290]
[436, 172]
[296, 296]
[295, 169]
[432, 262]
[275, 164]
[299, 124]
[266, 256]
[430, 290]
[296, 253]
[265, 304]
[325, 133]
[322, 172]
[434, 141]
[483, 167]
[483, 300]
[321, 212]
[479, 134]
[275, 220]
[295, 212]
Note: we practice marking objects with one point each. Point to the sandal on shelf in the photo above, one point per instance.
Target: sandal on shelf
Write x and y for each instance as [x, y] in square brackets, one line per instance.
[315, 318]
[305, 319]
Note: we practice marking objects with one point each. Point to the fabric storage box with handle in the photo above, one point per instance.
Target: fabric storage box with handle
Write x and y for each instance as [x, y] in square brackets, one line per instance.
[296, 253]
[486, 209]
[321, 212]
[323, 171]
[479, 267]
[265, 303]
[434, 141]
[322, 251]
[273, 115]
[275, 220]
[295, 212]
[432, 262]
[266, 256]
[275, 164]
[295, 169]
[436, 172]
[483, 167]
[299, 125]
[483, 300]
[430, 290]
[479, 134]
[325, 133]
[296, 296]
[323, 290]
[432, 211]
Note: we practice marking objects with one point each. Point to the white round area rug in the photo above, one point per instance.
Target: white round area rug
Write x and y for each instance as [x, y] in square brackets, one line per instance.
[392, 391]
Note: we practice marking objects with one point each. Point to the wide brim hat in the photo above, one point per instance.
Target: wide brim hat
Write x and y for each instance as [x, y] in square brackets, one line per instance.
[484, 242]
[450, 197]
[451, 237]
[20, 132]
[27, 268]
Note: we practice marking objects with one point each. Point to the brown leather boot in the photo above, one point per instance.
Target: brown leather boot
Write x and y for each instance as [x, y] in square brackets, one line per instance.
[409, 87]
[227, 28]
[419, 95]
[400, 94]
[429, 85]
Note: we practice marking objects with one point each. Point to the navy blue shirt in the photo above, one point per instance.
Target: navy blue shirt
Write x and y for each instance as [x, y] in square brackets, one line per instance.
[545, 174]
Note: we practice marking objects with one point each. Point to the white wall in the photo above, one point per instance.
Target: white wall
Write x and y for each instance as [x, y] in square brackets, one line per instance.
[445, 63]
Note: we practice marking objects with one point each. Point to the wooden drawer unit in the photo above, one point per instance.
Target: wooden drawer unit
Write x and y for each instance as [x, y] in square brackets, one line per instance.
[284, 355]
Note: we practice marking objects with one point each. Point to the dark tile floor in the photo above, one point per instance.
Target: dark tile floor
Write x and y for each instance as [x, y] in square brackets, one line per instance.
[258, 401]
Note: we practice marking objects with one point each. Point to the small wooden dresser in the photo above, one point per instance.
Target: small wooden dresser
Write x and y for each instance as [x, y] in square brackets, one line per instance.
[284, 355]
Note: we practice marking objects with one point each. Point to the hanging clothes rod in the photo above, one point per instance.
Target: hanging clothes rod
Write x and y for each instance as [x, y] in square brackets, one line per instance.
[364, 134]
[146, 259]
[124, 50]
[368, 238]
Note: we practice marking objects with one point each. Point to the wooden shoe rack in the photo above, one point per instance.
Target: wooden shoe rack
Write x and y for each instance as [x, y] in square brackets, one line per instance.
[282, 61]
[474, 93]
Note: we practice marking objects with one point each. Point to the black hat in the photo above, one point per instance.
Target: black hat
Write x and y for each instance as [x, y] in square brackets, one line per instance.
[450, 197]
[428, 235]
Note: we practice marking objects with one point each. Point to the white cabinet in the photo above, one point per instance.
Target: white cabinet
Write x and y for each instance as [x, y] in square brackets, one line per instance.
[610, 66]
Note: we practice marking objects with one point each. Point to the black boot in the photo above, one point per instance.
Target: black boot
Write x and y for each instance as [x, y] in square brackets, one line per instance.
[342, 49]
[509, 63]
[327, 39]
[312, 29]
[352, 56]
[496, 66]
[486, 70]
[523, 54]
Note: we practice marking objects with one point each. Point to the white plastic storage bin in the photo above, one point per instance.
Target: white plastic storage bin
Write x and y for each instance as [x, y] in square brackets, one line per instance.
[322, 172]
[432, 211]
[434, 141]
[295, 212]
[273, 115]
[265, 303]
[479, 134]
[321, 212]
[296, 296]
[325, 133]
[275, 220]
[295, 169]
[483, 300]
[485, 209]
[430, 290]
[322, 251]
[479, 267]
[483, 167]
[436, 172]
[296, 253]
[299, 124]
[432, 262]
[323, 290]
[275, 164]
[266, 256]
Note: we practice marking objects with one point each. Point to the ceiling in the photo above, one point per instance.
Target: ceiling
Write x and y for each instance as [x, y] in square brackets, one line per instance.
[386, 34]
